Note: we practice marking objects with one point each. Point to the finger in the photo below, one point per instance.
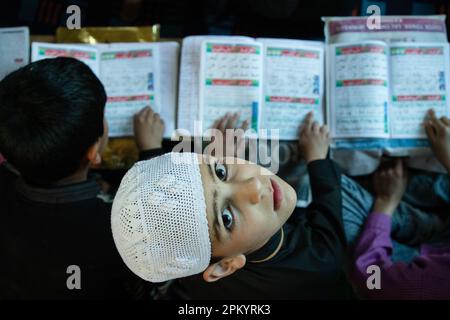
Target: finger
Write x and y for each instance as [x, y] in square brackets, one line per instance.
[315, 127]
[304, 125]
[222, 123]
[445, 121]
[148, 114]
[309, 118]
[232, 121]
[214, 125]
[307, 123]
[398, 166]
[143, 116]
[430, 131]
[140, 112]
[324, 129]
[245, 125]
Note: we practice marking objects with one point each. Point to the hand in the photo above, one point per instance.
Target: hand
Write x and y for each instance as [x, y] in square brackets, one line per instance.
[148, 129]
[438, 132]
[390, 184]
[226, 124]
[314, 140]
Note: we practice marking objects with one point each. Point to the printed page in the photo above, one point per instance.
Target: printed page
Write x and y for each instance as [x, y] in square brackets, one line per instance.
[358, 90]
[85, 53]
[189, 84]
[131, 80]
[292, 86]
[14, 49]
[168, 71]
[230, 81]
[419, 81]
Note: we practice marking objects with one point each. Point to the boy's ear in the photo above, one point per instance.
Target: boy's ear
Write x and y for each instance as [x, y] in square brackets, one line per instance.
[93, 154]
[224, 268]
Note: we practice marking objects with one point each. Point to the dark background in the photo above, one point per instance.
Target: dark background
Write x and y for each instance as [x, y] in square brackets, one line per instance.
[180, 18]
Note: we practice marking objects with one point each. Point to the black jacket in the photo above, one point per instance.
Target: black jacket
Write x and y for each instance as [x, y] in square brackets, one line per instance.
[45, 231]
[309, 264]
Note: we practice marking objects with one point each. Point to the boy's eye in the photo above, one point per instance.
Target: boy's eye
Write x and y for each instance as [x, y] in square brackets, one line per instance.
[221, 171]
[227, 218]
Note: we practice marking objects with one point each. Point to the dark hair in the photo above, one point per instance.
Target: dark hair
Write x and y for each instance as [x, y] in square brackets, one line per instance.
[51, 112]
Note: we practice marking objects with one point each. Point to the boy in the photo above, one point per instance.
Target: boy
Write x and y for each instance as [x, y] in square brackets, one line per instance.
[55, 238]
[221, 227]
[224, 230]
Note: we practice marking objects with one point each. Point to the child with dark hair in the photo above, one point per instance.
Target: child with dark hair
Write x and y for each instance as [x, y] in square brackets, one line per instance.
[55, 236]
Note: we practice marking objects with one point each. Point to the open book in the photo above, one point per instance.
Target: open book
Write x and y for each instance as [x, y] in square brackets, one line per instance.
[272, 82]
[374, 90]
[134, 75]
[381, 90]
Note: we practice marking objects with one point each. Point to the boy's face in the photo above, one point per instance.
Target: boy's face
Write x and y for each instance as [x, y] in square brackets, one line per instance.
[245, 204]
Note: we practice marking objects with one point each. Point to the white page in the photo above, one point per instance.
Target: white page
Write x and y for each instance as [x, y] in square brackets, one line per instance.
[131, 79]
[168, 79]
[14, 49]
[293, 84]
[85, 53]
[230, 81]
[188, 93]
[358, 90]
[419, 82]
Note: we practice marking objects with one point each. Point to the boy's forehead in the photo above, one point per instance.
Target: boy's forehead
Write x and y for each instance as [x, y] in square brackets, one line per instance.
[209, 187]
[206, 159]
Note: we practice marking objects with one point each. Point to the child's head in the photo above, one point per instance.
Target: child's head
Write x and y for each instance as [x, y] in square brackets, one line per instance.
[52, 119]
[182, 214]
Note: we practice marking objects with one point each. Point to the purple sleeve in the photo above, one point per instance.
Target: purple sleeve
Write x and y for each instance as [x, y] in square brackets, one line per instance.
[399, 280]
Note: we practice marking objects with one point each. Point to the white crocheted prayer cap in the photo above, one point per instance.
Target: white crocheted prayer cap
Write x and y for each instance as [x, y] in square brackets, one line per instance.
[158, 218]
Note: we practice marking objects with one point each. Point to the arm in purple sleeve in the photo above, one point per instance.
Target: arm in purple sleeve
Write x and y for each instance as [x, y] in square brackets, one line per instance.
[398, 280]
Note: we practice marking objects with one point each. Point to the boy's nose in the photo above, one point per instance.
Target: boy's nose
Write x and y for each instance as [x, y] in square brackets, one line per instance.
[253, 189]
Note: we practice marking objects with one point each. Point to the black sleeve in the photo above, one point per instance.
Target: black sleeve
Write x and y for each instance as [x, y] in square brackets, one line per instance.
[323, 219]
[148, 154]
[7, 177]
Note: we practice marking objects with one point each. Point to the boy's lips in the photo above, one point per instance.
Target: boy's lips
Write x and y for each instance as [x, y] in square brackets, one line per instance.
[277, 195]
